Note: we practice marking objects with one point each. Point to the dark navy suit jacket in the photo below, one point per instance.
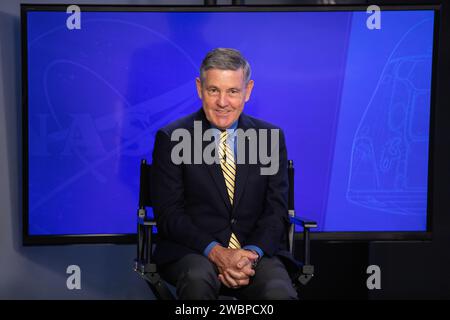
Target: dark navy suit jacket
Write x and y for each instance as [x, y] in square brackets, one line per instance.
[192, 207]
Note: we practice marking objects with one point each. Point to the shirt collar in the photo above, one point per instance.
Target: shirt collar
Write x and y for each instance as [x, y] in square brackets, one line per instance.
[232, 128]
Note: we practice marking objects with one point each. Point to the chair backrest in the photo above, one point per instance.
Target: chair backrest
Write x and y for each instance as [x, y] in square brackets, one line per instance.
[291, 205]
[145, 196]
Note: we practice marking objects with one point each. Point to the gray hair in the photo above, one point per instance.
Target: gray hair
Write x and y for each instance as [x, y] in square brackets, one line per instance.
[225, 59]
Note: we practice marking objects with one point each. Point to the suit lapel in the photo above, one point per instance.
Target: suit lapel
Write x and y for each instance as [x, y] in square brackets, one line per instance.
[214, 169]
[241, 180]
[241, 169]
[216, 173]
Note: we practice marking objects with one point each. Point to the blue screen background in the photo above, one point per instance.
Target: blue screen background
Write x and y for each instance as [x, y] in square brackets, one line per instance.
[354, 104]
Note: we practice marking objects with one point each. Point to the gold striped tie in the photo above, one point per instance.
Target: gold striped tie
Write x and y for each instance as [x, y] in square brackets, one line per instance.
[229, 173]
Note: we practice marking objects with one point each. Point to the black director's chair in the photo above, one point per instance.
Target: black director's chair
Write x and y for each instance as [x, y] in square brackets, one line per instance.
[147, 269]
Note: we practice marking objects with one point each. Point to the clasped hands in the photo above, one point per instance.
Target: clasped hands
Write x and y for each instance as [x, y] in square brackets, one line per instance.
[234, 265]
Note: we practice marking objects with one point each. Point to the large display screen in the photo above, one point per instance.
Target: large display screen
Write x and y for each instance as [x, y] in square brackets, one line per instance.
[351, 89]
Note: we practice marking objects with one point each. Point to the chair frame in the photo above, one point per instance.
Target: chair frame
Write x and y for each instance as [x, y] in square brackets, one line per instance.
[144, 264]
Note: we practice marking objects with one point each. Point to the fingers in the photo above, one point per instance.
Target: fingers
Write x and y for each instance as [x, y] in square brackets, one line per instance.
[237, 254]
[249, 254]
[243, 262]
[245, 266]
[236, 267]
[225, 282]
[248, 271]
[243, 282]
[229, 258]
[233, 282]
[239, 276]
[228, 281]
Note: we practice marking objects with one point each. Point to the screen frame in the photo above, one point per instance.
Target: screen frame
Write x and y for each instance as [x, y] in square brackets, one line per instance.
[364, 236]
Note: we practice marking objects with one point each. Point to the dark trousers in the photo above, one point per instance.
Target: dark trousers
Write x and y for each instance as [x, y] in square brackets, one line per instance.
[196, 278]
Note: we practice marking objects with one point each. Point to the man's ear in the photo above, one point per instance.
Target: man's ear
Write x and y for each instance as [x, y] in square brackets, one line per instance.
[198, 84]
[248, 90]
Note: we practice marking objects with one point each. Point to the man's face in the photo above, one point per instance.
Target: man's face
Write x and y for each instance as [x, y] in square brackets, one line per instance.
[224, 95]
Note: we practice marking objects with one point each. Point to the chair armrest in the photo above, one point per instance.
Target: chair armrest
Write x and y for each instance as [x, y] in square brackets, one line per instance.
[307, 270]
[146, 222]
[144, 259]
[303, 222]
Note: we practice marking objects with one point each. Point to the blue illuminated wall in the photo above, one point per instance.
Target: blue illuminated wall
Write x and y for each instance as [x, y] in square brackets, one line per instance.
[354, 104]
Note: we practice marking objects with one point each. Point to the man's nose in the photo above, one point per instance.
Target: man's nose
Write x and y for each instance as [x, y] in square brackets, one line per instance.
[222, 100]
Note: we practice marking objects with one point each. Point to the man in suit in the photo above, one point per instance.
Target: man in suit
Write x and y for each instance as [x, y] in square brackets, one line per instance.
[222, 226]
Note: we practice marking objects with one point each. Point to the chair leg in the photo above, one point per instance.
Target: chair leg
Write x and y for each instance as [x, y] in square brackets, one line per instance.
[158, 287]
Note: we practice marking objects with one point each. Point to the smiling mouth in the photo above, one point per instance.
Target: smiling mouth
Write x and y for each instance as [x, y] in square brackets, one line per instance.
[222, 112]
